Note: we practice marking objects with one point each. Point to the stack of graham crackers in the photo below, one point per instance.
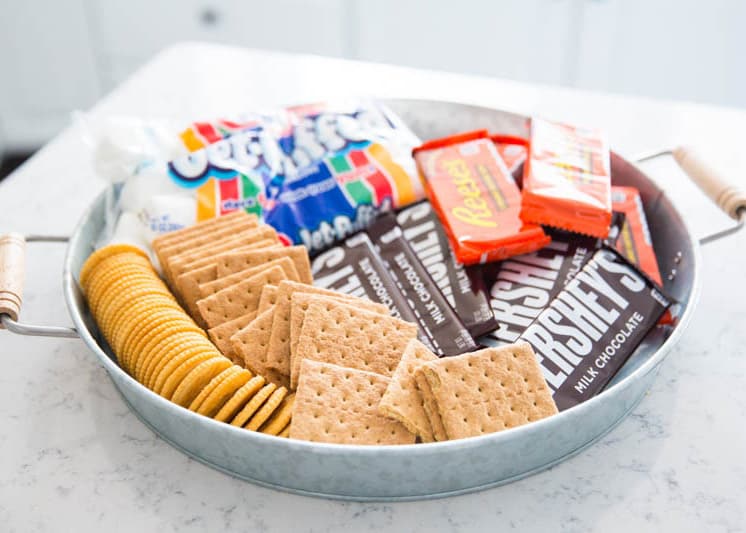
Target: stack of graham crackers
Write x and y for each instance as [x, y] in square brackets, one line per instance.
[420, 397]
[360, 376]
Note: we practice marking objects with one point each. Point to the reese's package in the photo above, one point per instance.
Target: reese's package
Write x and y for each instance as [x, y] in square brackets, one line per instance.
[476, 198]
[567, 179]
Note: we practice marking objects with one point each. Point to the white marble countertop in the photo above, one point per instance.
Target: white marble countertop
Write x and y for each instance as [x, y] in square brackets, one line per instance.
[74, 458]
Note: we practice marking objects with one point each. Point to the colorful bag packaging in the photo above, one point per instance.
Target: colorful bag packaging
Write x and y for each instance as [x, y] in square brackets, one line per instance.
[317, 173]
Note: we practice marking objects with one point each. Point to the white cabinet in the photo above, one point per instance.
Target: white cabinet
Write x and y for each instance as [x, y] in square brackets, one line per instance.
[532, 40]
[130, 32]
[59, 56]
[680, 49]
[47, 69]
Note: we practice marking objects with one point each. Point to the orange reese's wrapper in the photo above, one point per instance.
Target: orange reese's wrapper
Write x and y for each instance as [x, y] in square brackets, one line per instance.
[635, 242]
[476, 199]
[567, 179]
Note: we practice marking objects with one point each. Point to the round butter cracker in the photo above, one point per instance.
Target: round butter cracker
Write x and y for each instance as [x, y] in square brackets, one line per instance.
[198, 378]
[99, 255]
[139, 312]
[223, 392]
[280, 419]
[267, 409]
[166, 367]
[255, 403]
[150, 325]
[214, 383]
[155, 350]
[239, 399]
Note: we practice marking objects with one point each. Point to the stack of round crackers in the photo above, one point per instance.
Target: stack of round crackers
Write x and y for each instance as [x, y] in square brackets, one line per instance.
[160, 346]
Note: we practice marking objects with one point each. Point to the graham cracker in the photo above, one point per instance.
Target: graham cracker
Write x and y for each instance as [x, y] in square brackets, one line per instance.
[431, 408]
[340, 405]
[189, 283]
[299, 301]
[278, 354]
[488, 390]
[188, 290]
[239, 299]
[402, 400]
[221, 335]
[250, 343]
[344, 334]
[166, 252]
[267, 299]
[230, 263]
[178, 264]
[205, 226]
[211, 287]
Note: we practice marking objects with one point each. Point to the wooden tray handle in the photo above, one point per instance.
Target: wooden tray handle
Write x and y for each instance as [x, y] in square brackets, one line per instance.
[730, 198]
[12, 274]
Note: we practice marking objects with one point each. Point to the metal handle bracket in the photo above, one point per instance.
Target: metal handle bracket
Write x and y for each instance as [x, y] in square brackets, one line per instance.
[12, 274]
[730, 199]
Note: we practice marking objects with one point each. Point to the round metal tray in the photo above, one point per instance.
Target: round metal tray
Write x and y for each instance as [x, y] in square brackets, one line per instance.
[421, 470]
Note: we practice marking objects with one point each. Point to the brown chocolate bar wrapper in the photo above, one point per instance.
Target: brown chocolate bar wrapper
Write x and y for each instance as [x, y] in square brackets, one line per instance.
[446, 334]
[593, 325]
[355, 268]
[466, 293]
[521, 287]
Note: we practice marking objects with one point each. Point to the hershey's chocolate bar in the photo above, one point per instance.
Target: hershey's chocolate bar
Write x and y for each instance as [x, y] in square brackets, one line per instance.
[522, 286]
[355, 268]
[446, 334]
[593, 325]
[466, 294]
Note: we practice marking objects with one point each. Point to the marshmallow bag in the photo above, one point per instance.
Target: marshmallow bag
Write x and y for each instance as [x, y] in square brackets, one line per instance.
[316, 173]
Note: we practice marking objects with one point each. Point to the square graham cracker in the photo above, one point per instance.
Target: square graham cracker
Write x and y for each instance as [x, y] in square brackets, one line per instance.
[268, 298]
[166, 252]
[177, 268]
[211, 287]
[166, 240]
[340, 405]
[402, 400]
[230, 263]
[238, 299]
[178, 264]
[188, 287]
[203, 271]
[221, 335]
[343, 334]
[429, 405]
[299, 302]
[278, 355]
[205, 226]
[250, 344]
[488, 390]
